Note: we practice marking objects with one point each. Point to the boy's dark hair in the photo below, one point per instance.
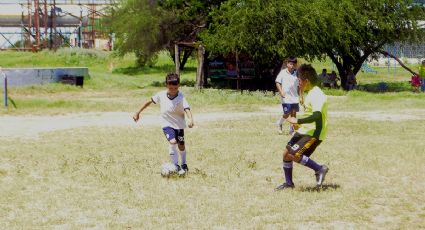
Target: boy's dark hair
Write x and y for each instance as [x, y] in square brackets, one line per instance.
[172, 79]
[291, 59]
[307, 72]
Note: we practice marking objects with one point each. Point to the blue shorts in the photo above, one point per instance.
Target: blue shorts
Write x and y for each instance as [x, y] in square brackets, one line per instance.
[288, 108]
[177, 134]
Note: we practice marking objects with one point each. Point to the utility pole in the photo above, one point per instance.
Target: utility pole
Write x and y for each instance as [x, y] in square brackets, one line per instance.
[37, 24]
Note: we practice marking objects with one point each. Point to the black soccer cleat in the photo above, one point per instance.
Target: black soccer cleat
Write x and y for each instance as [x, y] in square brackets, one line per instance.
[178, 168]
[321, 174]
[184, 167]
[284, 186]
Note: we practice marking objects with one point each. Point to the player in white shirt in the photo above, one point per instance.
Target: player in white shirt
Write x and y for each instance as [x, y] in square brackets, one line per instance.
[287, 84]
[173, 107]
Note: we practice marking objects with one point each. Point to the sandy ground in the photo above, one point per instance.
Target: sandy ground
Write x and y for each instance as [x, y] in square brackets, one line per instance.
[32, 126]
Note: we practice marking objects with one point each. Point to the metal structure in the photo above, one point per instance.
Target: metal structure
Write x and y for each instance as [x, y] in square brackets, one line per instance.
[50, 24]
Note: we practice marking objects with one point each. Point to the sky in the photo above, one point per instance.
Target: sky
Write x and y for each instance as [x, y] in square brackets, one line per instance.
[12, 9]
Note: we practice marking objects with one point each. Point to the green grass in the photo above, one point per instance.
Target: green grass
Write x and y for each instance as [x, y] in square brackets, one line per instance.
[116, 85]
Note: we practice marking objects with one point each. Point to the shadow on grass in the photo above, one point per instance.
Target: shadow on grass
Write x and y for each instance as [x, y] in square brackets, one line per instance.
[184, 82]
[322, 188]
[135, 70]
[383, 87]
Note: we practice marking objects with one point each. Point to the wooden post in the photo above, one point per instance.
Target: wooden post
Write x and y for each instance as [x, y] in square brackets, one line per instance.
[238, 83]
[177, 58]
[200, 70]
[37, 24]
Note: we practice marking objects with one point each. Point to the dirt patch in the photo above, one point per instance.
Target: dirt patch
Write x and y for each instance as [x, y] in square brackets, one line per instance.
[32, 126]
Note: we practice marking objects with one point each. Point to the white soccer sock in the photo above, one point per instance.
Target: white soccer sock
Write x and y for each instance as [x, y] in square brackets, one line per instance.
[304, 160]
[174, 157]
[280, 121]
[183, 155]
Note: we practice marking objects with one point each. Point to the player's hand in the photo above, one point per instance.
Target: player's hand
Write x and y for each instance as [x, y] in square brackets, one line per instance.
[292, 120]
[136, 117]
[190, 123]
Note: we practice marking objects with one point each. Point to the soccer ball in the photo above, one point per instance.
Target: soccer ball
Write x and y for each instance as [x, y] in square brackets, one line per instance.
[168, 169]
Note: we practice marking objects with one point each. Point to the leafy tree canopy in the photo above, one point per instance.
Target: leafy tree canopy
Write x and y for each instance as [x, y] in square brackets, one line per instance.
[148, 26]
[346, 31]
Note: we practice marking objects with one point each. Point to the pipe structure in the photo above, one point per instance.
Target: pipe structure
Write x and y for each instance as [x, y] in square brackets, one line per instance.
[42, 23]
[65, 2]
[65, 21]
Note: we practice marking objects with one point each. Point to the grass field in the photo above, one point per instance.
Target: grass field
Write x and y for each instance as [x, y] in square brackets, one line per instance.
[107, 177]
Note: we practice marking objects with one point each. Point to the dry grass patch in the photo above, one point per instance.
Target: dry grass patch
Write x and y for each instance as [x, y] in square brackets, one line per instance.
[109, 178]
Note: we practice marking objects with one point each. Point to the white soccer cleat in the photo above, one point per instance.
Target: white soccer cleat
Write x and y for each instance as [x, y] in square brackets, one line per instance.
[182, 172]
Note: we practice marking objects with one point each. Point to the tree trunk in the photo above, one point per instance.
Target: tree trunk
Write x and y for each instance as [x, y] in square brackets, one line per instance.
[400, 62]
[200, 79]
[177, 58]
[186, 54]
[347, 64]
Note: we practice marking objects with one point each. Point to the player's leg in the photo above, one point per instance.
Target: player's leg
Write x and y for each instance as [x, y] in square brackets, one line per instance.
[170, 134]
[280, 121]
[293, 113]
[287, 165]
[183, 153]
[300, 152]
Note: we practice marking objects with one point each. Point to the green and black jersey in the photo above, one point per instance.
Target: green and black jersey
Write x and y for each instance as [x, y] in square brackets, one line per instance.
[314, 122]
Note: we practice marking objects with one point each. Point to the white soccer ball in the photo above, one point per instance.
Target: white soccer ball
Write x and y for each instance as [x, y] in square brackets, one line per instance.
[168, 169]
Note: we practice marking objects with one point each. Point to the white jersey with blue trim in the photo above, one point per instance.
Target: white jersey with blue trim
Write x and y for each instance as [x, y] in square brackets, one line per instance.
[289, 83]
[172, 109]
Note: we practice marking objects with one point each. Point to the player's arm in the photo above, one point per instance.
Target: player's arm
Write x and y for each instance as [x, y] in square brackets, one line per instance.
[315, 117]
[280, 89]
[301, 94]
[190, 123]
[136, 115]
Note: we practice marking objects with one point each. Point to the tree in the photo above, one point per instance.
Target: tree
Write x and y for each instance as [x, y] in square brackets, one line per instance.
[346, 31]
[148, 26]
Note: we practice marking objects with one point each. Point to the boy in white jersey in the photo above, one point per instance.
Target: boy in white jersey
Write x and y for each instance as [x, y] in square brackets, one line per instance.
[311, 129]
[288, 87]
[173, 109]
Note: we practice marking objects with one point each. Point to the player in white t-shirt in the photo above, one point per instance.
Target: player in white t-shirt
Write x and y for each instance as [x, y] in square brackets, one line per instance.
[173, 107]
[287, 84]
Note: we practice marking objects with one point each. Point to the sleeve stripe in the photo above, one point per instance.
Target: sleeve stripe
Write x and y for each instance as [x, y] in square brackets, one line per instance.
[153, 101]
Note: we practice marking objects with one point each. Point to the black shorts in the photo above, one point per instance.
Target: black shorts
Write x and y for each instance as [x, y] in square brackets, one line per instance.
[177, 134]
[302, 145]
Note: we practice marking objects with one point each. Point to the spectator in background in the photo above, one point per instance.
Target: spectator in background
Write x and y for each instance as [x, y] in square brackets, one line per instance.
[333, 78]
[422, 69]
[231, 70]
[416, 82]
[351, 80]
[323, 77]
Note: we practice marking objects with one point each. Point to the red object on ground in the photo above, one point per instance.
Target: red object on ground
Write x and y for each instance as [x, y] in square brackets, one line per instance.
[416, 81]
